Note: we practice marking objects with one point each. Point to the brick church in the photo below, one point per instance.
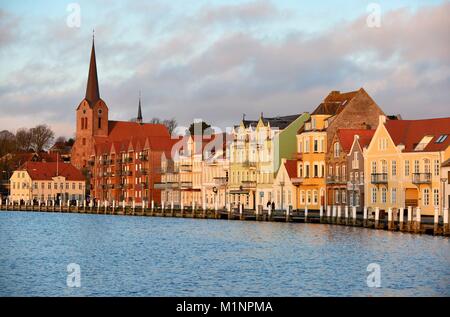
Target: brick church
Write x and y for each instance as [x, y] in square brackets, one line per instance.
[99, 140]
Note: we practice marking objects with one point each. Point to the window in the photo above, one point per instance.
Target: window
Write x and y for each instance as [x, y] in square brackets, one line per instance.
[356, 199]
[383, 195]
[300, 147]
[355, 162]
[442, 138]
[302, 197]
[393, 195]
[384, 167]
[394, 168]
[426, 197]
[300, 170]
[330, 170]
[336, 196]
[344, 197]
[406, 168]
[374, 195]
[436, 167]
[337, 150]
[316, 170]
[351, 199]
[316, 146]
[382, 144]
[306, 145]
[84, 141]
[374, 167]
[344, 173]
[73, 186]
[316, 197]
[99, 122]
[427, 167]
[55, 186]
[416, 166]
[306, 171]
[308, 198]
[436, 197]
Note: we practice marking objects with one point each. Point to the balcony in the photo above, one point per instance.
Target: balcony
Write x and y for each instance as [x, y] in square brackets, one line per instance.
[110, 186]
[297, 180]
[126, 173]
[248, 184]
[249, 164]
[119, 161]
[186, 185]
[421, 178]
[379, 178]
[128, 160]
[142, 171]
[91, 162]
[143, 157]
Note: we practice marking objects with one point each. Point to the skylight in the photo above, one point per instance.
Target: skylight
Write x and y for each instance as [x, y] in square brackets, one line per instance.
[423, 143]
[442, 138]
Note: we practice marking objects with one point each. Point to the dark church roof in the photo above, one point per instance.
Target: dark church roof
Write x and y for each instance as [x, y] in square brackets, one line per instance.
[275, 122]
[92, 90]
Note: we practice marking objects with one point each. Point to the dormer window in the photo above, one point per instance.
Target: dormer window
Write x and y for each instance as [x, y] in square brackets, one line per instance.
[423, 143]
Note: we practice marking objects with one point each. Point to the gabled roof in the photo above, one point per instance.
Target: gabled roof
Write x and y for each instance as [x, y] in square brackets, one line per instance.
[334, 103]
[291, 168]
[411, 132]
[46, 171]
[347, 136]
[275, 122]
[122, 130]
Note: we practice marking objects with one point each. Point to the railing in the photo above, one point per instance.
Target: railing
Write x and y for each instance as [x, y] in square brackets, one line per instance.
[297, 180]
[128, 160]
[142, 171]
[248, 184]
[379, 178]
[143, 157]
[126, 173]
[421, 178]
[249, 164]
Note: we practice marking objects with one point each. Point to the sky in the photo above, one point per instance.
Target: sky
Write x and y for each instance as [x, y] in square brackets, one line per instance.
[217, 60]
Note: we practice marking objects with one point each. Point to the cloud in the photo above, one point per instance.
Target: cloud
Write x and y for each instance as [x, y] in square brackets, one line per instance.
[187, 69]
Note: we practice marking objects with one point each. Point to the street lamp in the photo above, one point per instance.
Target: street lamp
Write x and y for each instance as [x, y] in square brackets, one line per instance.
[443, 180]
[282, 194]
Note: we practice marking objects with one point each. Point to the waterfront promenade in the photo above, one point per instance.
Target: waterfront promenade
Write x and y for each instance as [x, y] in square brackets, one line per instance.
[408, 222]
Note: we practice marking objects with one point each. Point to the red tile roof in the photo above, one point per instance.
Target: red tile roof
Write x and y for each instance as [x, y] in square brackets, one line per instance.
[121, 130]
[46, 171]
[347, 136]
[410, 133]
[291, 168]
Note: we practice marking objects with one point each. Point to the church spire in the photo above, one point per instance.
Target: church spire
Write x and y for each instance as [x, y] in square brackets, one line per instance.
[139, 116]
[92, 91]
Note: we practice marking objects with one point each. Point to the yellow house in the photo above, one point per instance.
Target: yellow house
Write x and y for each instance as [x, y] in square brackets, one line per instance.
[45, 181]
[311, 149]
[403, 163]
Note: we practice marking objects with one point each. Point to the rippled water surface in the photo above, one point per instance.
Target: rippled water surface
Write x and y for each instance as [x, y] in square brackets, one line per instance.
[140, 256]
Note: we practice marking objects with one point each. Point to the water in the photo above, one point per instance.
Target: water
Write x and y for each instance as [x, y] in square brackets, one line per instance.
[140, 256]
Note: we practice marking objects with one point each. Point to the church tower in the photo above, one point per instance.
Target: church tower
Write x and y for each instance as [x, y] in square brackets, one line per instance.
[92, 117]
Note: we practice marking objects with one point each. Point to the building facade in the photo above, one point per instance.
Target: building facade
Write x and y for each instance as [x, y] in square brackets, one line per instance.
[404, 163]
[351, 110]
[285, 191]
[255, 156]
[43, 181]
[128, 170]
[345, 166]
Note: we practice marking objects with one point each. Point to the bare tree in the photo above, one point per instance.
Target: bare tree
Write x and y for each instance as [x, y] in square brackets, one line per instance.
[7, 142]
[171, 124]
[23, 139]
[155, 120]
[41, 137]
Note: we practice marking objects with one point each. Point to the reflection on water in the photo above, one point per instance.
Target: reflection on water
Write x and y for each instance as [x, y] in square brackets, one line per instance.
[139, 256]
